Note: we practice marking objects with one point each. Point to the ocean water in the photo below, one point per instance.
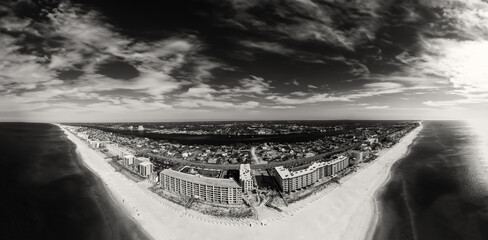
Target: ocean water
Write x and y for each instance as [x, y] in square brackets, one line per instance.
[439, 190]
[47, 193]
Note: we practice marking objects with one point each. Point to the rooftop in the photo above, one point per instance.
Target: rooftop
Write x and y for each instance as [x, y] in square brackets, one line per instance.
[145, 163]
[143, 159]
[302, 170]
[245, 172]
[217, 182]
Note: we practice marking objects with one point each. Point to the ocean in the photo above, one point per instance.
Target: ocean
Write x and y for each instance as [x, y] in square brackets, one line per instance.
[439, 190]
[47, 193]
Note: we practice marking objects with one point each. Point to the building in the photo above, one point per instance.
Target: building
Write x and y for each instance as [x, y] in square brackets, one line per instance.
[217, 190]
[304, 176]
[145, 169]
[128, 160]
[143, 166]
[357, 155]
[94, 144]
[395, 136]
[83, 135]
[372, 140]
[297, 178]
[140, 128]
[366, 153]
[154, 177]
[245, 177]
[115, 150]
[138, 160]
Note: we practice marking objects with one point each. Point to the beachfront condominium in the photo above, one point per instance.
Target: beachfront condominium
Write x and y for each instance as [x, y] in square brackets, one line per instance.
[145, 169]
[245, 177]
[292, 179]
[117, 151]
[395, 136]
[128, 160]
[216, 190]
[94, 143]
[143, 166]
[139, 165]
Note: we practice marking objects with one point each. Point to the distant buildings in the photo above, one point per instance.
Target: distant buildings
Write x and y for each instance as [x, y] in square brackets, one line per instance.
[83, 136]
[395, 136]
[94, 144]
[217, 190]
[245, 177]
[301, 177]
[115, 150]
[372, 140]
[140, 128]
[139, 165]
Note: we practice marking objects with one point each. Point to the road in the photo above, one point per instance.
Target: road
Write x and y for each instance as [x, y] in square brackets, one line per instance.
[257, 160]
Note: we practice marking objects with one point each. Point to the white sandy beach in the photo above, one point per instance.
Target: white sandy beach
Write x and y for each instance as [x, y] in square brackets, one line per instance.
[343, 212]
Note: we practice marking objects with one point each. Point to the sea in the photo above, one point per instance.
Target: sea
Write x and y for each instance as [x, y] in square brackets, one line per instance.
[47, 192]
[439, 190]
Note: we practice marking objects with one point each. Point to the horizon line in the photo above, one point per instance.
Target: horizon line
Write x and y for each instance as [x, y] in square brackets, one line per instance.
[206, 120]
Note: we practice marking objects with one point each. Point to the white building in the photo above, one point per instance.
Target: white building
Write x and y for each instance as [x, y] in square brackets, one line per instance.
[303, 176]
[83, 135]
[372, 140]
[245, 177]
[139, 160]
[218, 190]
[95, 144]
[143, 166]
[115, 150]
[128, 160]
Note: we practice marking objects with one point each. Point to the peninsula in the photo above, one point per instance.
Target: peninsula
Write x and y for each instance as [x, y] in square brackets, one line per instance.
[341, 207]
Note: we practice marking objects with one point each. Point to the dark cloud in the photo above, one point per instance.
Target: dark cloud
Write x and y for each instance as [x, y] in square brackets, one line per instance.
[117, 69]
[69, 74]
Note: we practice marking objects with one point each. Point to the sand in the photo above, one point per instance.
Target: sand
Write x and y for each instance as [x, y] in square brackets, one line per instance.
[343, 212]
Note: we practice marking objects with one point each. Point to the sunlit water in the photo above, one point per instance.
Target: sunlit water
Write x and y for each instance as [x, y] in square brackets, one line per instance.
[479, 129]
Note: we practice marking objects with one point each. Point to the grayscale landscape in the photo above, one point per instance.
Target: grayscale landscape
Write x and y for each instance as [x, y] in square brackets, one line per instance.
[198, 119]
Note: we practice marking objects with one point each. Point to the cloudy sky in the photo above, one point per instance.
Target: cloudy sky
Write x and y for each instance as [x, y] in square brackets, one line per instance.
[243, 59]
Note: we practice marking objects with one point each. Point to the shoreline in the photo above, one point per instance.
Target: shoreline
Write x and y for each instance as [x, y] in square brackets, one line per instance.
[336, 213]
[116, 199]
[376, 214]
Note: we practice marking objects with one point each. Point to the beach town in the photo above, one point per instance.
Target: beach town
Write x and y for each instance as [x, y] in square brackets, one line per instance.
[335, 189]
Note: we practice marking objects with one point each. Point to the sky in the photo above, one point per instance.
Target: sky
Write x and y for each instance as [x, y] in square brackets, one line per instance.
[110, 61]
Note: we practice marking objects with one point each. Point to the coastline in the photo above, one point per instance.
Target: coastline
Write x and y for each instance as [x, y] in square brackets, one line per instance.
[82, 150]
[375, 203]
[336, 213]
